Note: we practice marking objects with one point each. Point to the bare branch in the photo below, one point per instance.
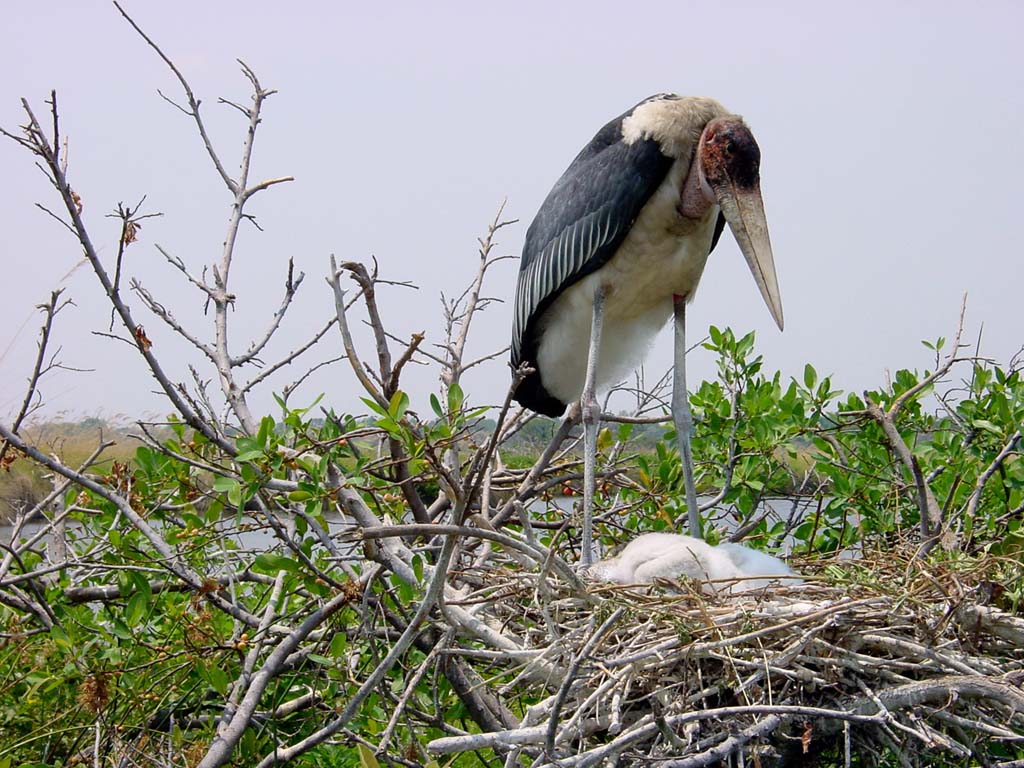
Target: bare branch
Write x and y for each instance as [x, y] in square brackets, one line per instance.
[291, 287]
[291, 387]
[164, 314]
[193, 103]
[49, 310]
[180, 265]
[472, 303]
[483, 359]
[410, 350]
[229, 733]
[57, 218]
[72, 204]
[570, 677]
[268, 183]
[334, 280]
[366, 283]
[399, 647]
[130, 227]
[1006, 452]
[534, 552]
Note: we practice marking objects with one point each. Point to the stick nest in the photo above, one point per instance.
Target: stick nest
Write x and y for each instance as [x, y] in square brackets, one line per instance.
[885, 659]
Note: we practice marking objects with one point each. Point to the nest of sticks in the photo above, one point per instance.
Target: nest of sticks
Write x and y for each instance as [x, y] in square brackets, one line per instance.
[884, 660]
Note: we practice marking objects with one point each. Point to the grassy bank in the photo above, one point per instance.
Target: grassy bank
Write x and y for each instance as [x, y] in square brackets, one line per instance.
[24, 483]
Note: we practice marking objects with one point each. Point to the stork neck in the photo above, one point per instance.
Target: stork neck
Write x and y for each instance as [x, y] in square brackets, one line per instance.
[697, 196]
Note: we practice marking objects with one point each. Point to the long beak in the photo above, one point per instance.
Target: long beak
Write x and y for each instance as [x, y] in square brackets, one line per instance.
[744, 211]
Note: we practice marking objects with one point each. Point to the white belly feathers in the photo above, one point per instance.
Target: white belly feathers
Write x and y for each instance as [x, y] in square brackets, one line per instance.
[663, 255]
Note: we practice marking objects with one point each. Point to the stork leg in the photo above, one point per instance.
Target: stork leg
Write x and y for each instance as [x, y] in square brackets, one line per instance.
[683, 417]
[591, 415]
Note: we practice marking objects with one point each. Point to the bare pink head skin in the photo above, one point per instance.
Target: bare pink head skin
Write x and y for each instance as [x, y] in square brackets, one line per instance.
[726, 171]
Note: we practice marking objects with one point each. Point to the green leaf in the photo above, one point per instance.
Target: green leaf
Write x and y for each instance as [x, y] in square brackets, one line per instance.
[267, 427]
[810, 376]
[218, 679]
[144, 458]
[120, 630]
[435, 406]
[307, 465]
[455, 397]
[300, 496]
[338, 644]
[389, 425]
[60, 637]
[214, 511]
[71, 496]
[987, 425]
[271, 563]
[249, 455]
[141, 584]
[406, 592]
[398, 406]
[825, 389]
[373, 406]
[310, 582]
[135, 609]
[366, 758]
[224, 484]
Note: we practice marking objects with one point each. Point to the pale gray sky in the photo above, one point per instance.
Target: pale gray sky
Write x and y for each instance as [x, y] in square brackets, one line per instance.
[891, 170]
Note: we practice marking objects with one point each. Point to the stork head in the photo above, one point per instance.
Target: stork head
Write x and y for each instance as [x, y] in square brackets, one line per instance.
[729, 163]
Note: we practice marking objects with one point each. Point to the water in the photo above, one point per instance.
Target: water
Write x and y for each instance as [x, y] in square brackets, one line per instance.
[247, 534]
[252, 534]
[779, 509]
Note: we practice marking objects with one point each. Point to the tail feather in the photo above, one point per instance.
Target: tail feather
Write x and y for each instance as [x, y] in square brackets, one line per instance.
[531, 394]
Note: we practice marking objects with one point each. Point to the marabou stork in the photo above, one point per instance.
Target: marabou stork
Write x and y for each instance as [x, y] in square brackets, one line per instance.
[618, 245]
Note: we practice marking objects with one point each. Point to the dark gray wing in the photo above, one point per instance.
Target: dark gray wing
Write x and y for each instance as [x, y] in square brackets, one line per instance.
[581, 224]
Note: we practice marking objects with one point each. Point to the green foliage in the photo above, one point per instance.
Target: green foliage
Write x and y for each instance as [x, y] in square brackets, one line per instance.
[148, 647]
[759, 440]
[144, 651]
